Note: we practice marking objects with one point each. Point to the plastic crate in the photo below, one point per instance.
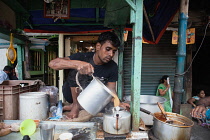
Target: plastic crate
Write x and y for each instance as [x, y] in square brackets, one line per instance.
[9, 96]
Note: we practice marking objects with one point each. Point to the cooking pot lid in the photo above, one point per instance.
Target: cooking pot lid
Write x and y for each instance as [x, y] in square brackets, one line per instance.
[33, 95]
[147, 99]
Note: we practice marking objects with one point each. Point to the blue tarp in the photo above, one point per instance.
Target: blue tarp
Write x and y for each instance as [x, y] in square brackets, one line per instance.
[160, 14]
[41, 24]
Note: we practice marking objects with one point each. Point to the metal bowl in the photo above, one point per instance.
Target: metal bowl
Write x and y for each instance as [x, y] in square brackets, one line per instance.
[148, 102]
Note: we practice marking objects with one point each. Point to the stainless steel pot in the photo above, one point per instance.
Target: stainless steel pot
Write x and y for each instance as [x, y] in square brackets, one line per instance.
[170, 131]
[117, 121]
[161, 129]
[148, 102]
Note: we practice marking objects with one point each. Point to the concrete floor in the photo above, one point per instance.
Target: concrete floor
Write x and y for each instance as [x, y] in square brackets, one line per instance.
[199, 132]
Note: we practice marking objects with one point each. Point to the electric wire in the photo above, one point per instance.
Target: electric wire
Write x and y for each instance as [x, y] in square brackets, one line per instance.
[196, 52]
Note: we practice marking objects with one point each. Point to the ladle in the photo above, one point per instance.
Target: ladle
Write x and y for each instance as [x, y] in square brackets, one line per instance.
[165, 115]
[162, 110]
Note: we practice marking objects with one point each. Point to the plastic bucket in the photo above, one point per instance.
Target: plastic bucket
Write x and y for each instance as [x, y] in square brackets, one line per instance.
[33, 105]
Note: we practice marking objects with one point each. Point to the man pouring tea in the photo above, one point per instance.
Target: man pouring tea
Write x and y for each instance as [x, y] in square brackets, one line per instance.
[98, 63]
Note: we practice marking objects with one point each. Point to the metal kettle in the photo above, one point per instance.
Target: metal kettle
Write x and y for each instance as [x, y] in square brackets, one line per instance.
[117, 121]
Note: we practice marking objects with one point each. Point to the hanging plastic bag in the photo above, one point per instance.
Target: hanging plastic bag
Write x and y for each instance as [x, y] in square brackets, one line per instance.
[52, 91]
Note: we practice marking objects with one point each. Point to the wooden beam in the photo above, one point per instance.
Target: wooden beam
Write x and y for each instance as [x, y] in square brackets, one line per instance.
[136, 65]
[83, 38]
[20, 62]
[61, 74]
[132, 5]
[148, 22]
[120, 34]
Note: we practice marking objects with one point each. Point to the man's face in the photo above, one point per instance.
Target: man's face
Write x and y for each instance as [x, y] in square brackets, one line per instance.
[105, 52]
[8, 72]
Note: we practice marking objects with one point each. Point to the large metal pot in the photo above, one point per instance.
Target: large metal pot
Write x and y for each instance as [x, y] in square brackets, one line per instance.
[167, 131]
[176, 127]
[117, 121]
[148, 102]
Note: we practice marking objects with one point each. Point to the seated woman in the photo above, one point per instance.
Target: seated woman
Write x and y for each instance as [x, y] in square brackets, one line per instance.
[163, 91]
[201, 110]
[193, 100]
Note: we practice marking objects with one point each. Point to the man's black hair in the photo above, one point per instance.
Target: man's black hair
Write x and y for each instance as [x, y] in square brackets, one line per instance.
[109, 36]
[7, 68]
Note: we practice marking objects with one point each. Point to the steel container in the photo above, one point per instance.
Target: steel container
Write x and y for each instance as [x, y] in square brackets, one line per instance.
[148, 102]
[94, 97]
[167, 131]
[33, 105]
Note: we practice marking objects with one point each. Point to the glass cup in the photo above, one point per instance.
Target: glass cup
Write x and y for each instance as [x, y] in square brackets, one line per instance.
[47, 131]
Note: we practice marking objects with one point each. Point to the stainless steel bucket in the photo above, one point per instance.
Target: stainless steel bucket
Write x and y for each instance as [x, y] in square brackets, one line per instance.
[179, 128]
[94, 97]
[148, 102]
[166, 131]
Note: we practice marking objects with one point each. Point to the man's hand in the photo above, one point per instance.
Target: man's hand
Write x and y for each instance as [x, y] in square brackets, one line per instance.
[199, 111]
[126, 106]
[74, 111]
[85, 68]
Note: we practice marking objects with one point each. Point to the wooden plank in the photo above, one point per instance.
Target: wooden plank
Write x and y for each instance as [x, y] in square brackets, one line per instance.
[61, 74]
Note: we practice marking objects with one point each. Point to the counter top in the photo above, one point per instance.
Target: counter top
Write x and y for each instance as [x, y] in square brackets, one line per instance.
[80, 130]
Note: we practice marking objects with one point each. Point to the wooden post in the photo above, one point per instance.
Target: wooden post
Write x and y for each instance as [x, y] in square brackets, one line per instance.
[181, 55]
[136, 17]
[60, 54]
[120, 32]
[20, 56]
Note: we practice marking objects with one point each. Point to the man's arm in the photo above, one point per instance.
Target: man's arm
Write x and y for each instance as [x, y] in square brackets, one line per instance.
[66, 63]
[204, 101]
[201, 107]
[191, 101]
[112, 86]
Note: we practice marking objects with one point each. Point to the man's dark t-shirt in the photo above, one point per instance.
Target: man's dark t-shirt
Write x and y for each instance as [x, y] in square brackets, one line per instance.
[107, 72]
